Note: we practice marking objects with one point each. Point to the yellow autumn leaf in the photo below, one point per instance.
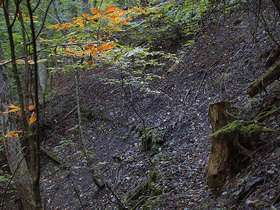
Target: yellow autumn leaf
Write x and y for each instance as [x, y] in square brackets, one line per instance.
[32, 118]
[80, 24]
[106, 46]
[12, 134]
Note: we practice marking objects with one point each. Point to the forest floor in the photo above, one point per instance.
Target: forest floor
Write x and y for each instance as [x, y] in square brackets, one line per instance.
[178, 116]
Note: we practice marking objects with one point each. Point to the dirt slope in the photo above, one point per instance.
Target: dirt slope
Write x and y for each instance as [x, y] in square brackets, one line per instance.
[180, 114]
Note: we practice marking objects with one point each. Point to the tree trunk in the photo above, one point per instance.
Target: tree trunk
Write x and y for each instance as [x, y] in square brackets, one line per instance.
[264, 80]
[13, 148]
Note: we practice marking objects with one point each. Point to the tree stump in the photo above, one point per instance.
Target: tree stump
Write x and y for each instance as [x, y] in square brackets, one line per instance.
[215, 171]
[231, 140]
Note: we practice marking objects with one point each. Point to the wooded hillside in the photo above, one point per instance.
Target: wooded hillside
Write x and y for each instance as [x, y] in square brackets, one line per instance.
[120, 104]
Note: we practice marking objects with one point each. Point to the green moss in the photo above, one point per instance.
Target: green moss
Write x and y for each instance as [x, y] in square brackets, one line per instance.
[228, 129]
[264, 114]
[247, 129]
[253, 131]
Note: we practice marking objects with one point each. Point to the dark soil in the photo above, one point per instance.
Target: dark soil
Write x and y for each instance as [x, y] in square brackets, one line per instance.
[234, 46]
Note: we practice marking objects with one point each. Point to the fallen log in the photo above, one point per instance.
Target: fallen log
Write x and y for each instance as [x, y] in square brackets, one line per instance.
[273, 57]
[264, 80]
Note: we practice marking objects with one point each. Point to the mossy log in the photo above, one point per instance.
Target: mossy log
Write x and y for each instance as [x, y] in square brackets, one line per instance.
[273, 57]
[264, 80]
[231, 139]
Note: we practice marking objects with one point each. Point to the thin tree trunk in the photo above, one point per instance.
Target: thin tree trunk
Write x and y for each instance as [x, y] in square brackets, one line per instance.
[83, 140]
[35, 143]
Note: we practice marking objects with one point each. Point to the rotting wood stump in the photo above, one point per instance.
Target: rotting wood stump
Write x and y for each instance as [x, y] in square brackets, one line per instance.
[215, 171]
[231, 141]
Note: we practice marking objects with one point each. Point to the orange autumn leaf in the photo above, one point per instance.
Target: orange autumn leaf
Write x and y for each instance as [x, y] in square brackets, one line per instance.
[13, 108]
[68, 52]
[124, 22]
[109, 9]
[94, 11]
[90, 47]
[32, 118]
[54, 26]
[106, 46]
[94, 53]
[114, 19]
[31, 107]
[71, 40]
[90, 63]
[12, 134]
[85, 15]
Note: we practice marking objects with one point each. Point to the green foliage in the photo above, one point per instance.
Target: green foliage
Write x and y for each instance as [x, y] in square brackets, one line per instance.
[173, 20]
[138, 66]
